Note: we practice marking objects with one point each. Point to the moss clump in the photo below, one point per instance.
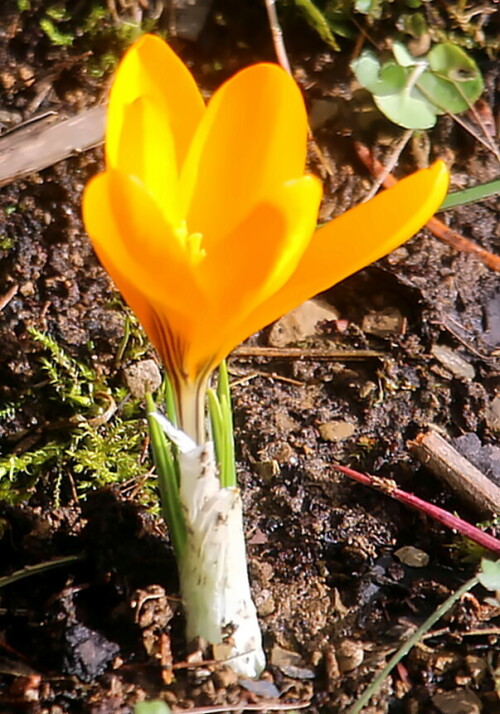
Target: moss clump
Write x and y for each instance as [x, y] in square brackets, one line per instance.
[97, 438]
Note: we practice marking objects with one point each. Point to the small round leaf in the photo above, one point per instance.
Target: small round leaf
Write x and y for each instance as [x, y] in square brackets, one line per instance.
[454, 81]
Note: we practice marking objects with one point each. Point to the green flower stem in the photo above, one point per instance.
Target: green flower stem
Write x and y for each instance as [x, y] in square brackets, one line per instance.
[221, 420]
[213, 567]
[203, 508]
[411, 642]
[168, 481]
[216, 423]
[39, 568]
[170, 402]
[471, 195]
[229, 459]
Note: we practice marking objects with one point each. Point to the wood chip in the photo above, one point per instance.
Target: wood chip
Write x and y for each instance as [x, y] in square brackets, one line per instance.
[465, 479]
[37, 145]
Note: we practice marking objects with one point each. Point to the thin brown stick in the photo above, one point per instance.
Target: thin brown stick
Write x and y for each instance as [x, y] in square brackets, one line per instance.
[267, 705]
[437, 227]
[244, 379]
[277, 34]
[391, 163]
[299, 353]
[5, 299]
[466, 480]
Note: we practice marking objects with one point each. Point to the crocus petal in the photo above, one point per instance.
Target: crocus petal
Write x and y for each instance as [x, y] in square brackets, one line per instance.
[252, 138]
[258, 258]
[153, 163]
[115, 207]
[152, 72]
[350, 242]
[262, 252]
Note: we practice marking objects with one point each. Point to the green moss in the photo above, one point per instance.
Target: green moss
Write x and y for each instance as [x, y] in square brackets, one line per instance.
[6, 243]
[97, 437]
[103, 65]
[103, 456]
[73, 381]
[95, 18]
[109, 40]
[58, 38]
[19, 473]
[57, 12]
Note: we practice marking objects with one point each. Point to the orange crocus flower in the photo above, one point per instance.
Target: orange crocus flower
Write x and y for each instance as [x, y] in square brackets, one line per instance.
[206, 221]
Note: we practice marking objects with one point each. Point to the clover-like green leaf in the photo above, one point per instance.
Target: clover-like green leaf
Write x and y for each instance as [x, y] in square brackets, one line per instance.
[412, 91]
[407, 110]
[403, 55]
[454, 81]
[393, 89]
[373, 8]
[489, 575]
[385, 79]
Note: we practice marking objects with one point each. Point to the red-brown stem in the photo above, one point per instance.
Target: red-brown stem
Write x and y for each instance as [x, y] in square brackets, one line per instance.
[438, 514]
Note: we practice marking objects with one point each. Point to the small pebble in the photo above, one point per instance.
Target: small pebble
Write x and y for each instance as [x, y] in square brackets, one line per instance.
[142, 377]
[262, 688]
[411, 556]
[460, 701]
[297, 672]
[265, 603]
[350, 654]
[453, 362]
[301, 323]
[336, 430]
[384, 323]
[284, 658]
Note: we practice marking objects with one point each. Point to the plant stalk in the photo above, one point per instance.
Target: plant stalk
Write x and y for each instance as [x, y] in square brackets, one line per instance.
[213, 572]
[190, 403]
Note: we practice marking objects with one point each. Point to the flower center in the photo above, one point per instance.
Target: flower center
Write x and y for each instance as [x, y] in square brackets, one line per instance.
[192, 243]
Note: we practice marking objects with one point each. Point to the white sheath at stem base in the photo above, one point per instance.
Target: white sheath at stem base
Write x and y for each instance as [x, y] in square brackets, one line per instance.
[213, 567]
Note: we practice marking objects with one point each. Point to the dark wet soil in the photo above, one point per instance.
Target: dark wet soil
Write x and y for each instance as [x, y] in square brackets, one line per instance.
[101, 632]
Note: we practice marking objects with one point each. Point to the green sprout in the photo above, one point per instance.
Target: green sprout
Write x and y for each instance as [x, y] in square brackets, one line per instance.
[203, 508]
[168, 478]
[165, 452]
[221, 420]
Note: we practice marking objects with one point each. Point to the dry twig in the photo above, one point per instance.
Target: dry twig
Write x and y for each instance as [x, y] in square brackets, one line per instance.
[299, 353]
[37, 145]
[5, 299]
[465, 479]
